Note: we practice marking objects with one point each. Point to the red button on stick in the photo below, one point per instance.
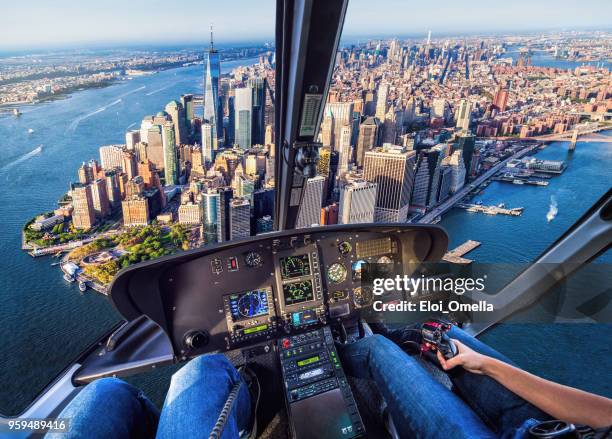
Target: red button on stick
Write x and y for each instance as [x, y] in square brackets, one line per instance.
[286, 343]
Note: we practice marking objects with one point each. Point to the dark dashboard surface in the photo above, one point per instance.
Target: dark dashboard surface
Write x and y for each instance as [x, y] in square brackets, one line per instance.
[245, 292]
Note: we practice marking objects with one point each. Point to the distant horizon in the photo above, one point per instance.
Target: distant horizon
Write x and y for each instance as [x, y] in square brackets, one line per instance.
[249, 42]
[40, 25]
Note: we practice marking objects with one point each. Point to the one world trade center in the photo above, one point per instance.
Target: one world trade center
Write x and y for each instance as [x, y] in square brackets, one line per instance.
[212, 120]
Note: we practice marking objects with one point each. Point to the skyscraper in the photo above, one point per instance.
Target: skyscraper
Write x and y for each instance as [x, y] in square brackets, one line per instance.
[243, 108]
[171, 164]
[466, 143]
[357, 201]
[312, 199]
[463, 115]
[381, 101]
[240, 218]
[344, 150]
[342, 114]
[458, 171]
[426, 178]
[223, 217]
[501, 99]
[187, 103]
[258, 86]
[210, 200]
[177, 113]
[212, 73]
[99, 198]
[368, 139]
[392, 169]
[83, 214]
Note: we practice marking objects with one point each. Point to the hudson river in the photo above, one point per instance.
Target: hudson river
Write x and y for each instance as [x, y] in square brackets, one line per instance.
[44, 321]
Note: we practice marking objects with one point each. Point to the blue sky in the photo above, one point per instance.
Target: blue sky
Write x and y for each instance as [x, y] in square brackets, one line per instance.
[38, 23]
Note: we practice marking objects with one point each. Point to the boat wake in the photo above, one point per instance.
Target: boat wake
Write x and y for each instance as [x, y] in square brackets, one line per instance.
[36, 151]
[75, 123]
[552, 210]
[132, 91]
[158, 90]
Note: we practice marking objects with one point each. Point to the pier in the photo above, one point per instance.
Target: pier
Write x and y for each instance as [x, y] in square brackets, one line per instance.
[456, 256]
[490, 210]
[521, 181]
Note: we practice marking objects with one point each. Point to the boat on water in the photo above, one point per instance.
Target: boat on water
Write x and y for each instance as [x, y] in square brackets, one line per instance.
[517, 181]
[68, 278]
[501, 205]
[30, 130]
[436, 220]
[82, 286]
[16, 112]
[55, 264]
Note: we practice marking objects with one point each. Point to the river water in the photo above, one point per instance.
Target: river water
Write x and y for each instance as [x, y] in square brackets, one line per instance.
[45, 321]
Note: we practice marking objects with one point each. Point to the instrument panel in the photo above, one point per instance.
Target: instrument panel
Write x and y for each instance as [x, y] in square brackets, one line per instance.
[269, 286]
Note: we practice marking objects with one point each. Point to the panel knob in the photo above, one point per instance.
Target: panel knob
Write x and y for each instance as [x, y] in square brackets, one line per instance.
[196, 339]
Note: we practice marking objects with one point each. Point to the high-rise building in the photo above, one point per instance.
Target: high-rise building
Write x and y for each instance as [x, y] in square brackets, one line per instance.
[223, 222]
[392, 169]
[463, 115]
[501, 99]
[210, 201]
[446, 180]
[357, 202]
[212, 73]
[101, 204]
[177, 114]
[240, 218]
[381, 101]
[258, 86]
[208, 152]
[112, 188]
[264, 224]
[171, 163]
[458, 171]
[129, 165]
[426, 179]
[329, 215]
[135, 211]
[230, 133]
[342, 114]
[466, 142]
[187, 103]
[83, 214]
[309, 212]
[344, 150]
[131, 139]
[438, 108]
[191, 213]
[111, 156]
[155, 146]
[243, 108]
[269, 137]
[368, 139]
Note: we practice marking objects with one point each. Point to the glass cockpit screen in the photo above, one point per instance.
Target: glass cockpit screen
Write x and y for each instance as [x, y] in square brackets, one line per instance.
[248, 304]
[298, 292]
[295, 266]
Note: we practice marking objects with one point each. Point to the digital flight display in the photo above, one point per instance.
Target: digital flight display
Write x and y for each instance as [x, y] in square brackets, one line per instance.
[298, 292]
[248, 304]
[295, 266]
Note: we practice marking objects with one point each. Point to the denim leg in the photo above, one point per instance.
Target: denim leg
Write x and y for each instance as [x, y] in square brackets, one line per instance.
[501, 409]
[109, 408]
[420, 406]
[196, 397]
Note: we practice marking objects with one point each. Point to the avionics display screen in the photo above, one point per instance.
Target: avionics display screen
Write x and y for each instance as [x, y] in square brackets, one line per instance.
[248, 304]
[308, 361]
[295, 266]
[298, 292]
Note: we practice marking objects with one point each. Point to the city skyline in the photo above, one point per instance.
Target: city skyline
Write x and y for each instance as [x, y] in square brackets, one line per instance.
[70, 24]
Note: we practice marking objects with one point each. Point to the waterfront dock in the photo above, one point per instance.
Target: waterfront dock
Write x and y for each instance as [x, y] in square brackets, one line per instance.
[490, 210]
[455, 256]
[518, 180]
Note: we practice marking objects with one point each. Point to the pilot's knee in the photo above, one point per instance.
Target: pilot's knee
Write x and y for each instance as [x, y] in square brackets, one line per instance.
[203, 365]
[108, 387]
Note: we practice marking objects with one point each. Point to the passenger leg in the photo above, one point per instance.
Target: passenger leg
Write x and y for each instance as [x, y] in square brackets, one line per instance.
[109, 407]
[420, 405]
[501, 409]
[198, 394]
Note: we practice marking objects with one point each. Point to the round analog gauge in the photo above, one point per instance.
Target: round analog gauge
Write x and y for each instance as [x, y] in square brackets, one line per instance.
[253, 259]
[248, 305]
[345, 248]
[336, 273]
[362, 296]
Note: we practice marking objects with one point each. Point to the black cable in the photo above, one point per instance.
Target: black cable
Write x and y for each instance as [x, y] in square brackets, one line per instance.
[225, 411]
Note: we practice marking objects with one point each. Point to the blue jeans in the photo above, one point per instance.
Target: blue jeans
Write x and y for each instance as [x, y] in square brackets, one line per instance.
[422, 407]
[112, 408]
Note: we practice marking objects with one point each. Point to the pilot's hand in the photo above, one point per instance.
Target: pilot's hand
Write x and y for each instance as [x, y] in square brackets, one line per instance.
[471, 360]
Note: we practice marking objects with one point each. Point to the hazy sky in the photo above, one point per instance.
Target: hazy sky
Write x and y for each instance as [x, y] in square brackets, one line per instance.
[37, 23]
